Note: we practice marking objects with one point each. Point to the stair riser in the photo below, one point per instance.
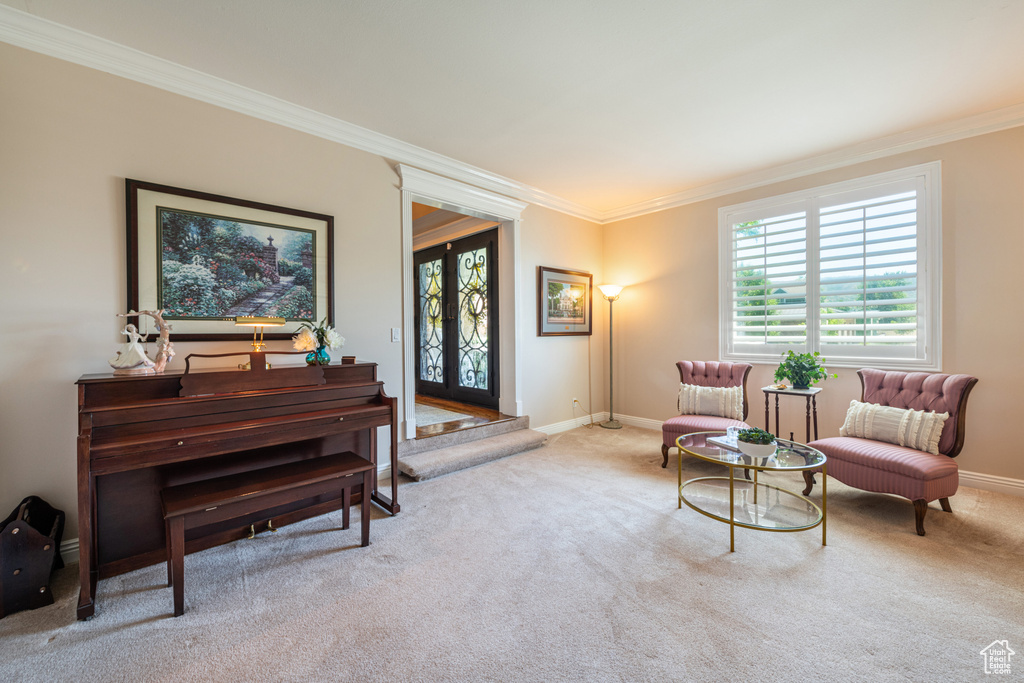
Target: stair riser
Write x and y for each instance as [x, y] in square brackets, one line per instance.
[413, 446]
[430, 464]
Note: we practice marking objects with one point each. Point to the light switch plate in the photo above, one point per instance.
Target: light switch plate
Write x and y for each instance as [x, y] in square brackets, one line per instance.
[396, 334]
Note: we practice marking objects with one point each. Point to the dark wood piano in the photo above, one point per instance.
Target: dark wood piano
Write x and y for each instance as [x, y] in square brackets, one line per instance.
[140, 434]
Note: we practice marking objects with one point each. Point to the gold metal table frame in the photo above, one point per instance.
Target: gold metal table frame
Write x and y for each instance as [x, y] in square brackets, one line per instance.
[758, 515]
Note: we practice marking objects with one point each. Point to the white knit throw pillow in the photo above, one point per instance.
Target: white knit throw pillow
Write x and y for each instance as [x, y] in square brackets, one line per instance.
[915, 429]
[717, 401]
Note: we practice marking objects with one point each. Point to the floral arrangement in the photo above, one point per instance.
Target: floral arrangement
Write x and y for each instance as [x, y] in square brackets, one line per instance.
[312, 337]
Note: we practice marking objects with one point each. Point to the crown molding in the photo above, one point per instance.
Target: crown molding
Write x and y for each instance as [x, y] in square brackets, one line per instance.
[453, 193]
[980, 124]
[28, 31]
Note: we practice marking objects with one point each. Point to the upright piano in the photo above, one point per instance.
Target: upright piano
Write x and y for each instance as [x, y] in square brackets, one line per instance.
[140, 434]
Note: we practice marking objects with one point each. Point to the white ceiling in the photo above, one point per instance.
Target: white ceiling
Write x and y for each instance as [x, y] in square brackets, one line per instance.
[605, 103]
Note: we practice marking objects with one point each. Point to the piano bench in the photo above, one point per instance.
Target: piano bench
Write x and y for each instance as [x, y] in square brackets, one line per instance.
[208, 501]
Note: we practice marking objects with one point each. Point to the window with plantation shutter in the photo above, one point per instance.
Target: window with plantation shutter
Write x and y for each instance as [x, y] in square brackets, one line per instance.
[850, 270]
[769, 277]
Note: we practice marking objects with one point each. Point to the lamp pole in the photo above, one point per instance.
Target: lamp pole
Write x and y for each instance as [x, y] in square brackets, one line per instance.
[611, 292]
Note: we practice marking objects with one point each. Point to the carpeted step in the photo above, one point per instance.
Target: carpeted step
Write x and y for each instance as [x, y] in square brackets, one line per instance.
[449, 439]
[434, 463]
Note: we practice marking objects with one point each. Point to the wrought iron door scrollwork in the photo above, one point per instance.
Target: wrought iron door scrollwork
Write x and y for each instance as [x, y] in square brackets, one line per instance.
[473, 312]
[432, 321]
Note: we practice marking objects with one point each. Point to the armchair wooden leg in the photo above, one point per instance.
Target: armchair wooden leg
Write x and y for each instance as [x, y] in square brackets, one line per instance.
[920, 508]
[664, 455]
[944, 502]
[809, 480]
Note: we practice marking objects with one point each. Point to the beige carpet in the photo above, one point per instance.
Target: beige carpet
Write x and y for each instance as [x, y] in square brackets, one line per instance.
[565, 563]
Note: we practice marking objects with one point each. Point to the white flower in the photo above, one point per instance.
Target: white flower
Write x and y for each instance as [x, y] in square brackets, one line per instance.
[334, 340]
[304, 340]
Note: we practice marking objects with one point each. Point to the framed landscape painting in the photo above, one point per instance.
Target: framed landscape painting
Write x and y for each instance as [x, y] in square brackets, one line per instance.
[205, 259]
[564, 302]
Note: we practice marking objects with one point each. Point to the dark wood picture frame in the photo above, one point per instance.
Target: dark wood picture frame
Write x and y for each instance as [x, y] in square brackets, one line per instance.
[144, 252]
[578, 310]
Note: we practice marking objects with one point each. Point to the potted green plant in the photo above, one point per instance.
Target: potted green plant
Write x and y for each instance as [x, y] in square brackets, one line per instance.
[756, 442]
[802, 369]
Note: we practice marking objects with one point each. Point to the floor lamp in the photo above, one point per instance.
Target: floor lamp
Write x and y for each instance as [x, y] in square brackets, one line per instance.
[610, 292]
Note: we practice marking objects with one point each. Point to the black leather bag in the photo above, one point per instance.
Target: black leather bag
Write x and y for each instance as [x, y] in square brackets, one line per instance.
[29, 552]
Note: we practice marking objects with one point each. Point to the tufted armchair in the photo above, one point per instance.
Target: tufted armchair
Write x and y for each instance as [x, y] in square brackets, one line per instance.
[888, 468]
[705, 374]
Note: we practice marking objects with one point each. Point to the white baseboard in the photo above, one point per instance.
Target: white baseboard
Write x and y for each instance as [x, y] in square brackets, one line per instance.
[571, 424]
[69, 551]
[991, 482]
[641, 422]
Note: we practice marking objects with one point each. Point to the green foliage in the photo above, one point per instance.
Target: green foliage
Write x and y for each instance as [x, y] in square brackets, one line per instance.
[170, 269]
[226, 298]
[229, 274]
[293, 247]
[304, 278]
[297, 303]
[835, 305]
[183, 233]
[756, 436]
[761, 307]
[802, 369]
[287, 268]
[191, 287]
[255, 267]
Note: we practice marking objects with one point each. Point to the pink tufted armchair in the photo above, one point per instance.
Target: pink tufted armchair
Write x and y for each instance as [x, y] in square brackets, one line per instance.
[887, 468]
[705, 374]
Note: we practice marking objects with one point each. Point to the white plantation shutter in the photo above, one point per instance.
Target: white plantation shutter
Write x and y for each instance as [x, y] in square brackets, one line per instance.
[769, 282]
[867, 285]
[864, 253]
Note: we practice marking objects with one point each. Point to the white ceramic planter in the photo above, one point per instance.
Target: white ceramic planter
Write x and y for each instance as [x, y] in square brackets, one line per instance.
[757, 450]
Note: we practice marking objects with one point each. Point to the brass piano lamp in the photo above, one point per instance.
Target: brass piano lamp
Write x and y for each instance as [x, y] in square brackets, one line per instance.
[258, 323]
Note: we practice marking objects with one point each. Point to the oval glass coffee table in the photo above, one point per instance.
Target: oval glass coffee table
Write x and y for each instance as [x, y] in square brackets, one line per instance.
[738, 501]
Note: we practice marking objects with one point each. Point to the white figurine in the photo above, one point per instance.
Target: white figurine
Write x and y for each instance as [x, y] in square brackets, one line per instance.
[164, 346]
[132, 358]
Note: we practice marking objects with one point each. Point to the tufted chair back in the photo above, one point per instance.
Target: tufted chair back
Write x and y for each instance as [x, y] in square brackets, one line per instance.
[923, 391]
[716, 374]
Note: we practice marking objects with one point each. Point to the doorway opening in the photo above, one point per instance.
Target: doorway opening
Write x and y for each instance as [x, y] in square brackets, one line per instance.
[455, 287]
[437, 209]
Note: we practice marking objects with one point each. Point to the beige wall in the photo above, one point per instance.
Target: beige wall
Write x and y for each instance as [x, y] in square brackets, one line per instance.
[559, 369]
[670, 311]
[68, 138]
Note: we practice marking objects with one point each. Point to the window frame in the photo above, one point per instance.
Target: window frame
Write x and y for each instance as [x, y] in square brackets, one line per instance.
[927, 180]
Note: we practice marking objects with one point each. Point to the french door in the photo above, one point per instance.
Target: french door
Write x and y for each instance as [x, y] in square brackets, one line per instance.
[457, 320]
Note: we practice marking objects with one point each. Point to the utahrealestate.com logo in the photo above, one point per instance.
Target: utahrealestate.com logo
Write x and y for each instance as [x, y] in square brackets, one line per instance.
[997, 657]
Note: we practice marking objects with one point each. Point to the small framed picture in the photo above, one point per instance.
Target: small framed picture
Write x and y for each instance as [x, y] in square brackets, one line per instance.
[564, 302]
[205, 259]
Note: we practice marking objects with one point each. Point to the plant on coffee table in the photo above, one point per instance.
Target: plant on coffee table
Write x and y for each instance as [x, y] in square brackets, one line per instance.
[755, 436]
[756, 442]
